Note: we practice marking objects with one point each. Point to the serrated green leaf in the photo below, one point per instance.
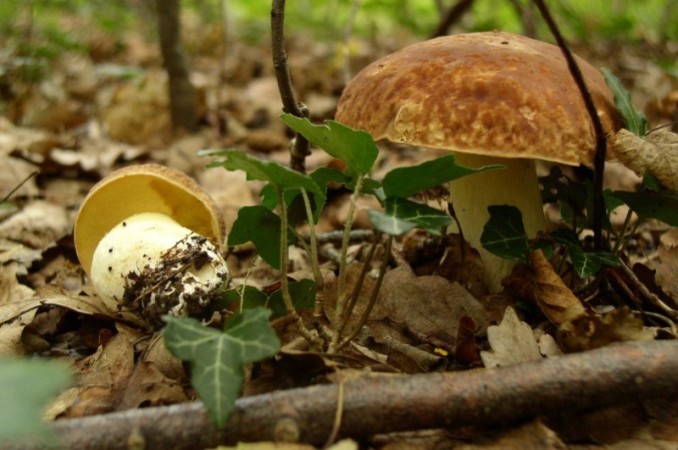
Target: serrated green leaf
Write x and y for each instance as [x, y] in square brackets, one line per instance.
[652, 205]
[218, 358]
[635, 121]
[407, 181]
[587, 264]
[270, 171]
[355, 148]
[504, 233]
[401, 215]
[303, 293]
[260, 226]
[26, 386]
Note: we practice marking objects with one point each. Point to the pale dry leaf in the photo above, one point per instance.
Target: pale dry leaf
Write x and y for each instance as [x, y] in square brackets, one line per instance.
[667, 265]
[96, 155]
[38, 225]
[530, 436]
[551, 294]
[512, 342]
[548, 346]
[16, 252]
[11, 290]
[31, 143]
[13, 319]
[656, 153]
[110, 366]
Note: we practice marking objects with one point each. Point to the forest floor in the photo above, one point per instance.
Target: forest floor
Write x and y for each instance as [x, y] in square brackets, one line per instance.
[96, 111]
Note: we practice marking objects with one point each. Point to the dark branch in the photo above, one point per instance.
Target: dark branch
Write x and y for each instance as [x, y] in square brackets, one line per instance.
[601, 139]
[612, 375]
[453, 15]
[300, 148]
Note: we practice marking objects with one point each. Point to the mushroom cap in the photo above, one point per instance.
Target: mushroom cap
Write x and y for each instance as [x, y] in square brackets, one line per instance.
[491, 93]
[144, 188]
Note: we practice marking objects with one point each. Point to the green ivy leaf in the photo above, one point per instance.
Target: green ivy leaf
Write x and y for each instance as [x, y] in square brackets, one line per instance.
[27, 385]
[407, 181]
[635, 121]
[250, 297]
[303, 294]
[402, 215]
[260, 226]
[218, 358]
[652, 205]
[355, 148]
[303, 297]
[504, 234]
[587, 264]
[270, 171]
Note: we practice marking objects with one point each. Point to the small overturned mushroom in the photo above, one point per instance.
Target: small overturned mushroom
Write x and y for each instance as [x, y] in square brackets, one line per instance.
[150, 239]
[491, 98]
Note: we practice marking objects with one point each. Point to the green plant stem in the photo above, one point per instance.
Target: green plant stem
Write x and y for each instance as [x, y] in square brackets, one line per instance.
[341, 284]
[373, 298]
[358, 286]
[284, 284]
[313, 252]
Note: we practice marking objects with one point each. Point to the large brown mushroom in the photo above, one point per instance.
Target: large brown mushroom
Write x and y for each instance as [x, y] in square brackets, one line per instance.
[491, 98]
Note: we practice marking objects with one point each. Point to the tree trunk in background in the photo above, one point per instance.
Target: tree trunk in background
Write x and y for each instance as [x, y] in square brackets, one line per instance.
[181, 93]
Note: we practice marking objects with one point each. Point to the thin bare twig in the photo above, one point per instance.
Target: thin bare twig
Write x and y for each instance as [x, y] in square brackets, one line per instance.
[601, 139]
[300, 148]
[611, 375]
[453, 15]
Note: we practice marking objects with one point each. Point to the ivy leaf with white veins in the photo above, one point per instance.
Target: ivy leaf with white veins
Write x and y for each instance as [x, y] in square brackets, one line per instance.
[401, 215]
[504, 234]
[218, 358]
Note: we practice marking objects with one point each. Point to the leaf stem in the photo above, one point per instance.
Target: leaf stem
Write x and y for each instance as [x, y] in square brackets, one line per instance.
[284, 284]
[313, 251]
[341, 284]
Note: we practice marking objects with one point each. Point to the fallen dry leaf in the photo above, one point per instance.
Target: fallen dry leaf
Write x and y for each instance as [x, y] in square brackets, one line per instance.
[147, 386]
[530, 436]
[512, 342]
[427, 306]
[667, 266]
[551, 294]
[656, 153]
[13, 319]
[590, 331]
[38, 225]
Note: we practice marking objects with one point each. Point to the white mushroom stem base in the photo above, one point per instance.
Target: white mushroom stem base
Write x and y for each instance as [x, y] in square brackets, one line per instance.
[153, 266]
[470, 196]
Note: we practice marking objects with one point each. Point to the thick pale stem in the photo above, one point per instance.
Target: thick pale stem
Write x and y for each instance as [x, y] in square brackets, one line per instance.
[470, 196]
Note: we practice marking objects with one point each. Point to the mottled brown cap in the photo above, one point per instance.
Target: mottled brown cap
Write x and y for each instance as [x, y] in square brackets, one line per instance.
[144, 188]
[494, 93]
